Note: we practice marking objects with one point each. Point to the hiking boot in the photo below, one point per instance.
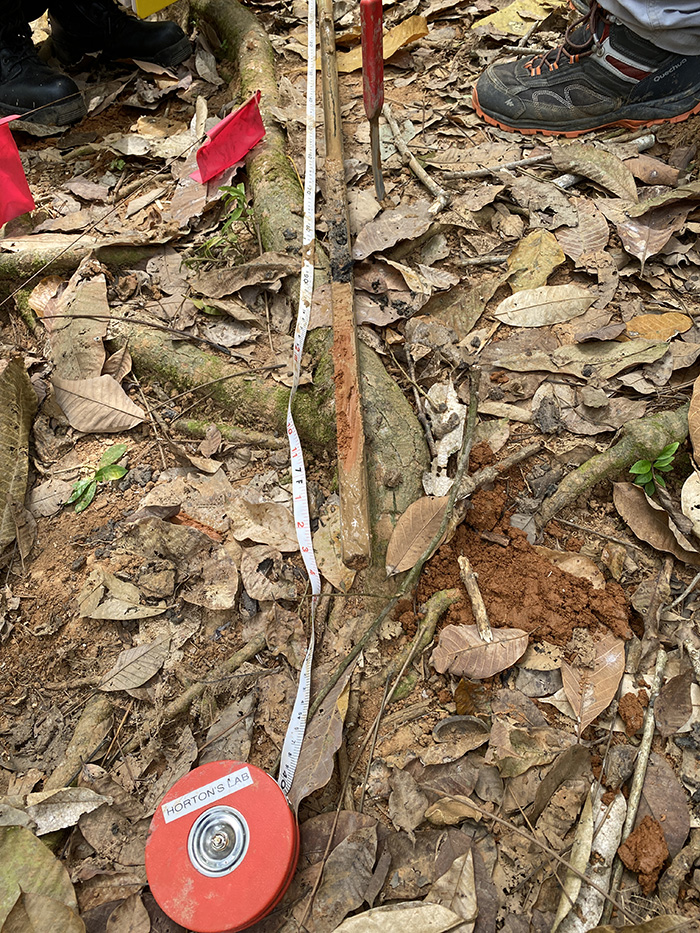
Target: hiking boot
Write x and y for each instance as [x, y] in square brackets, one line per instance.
[30, 87]
[79, 27]
[603, 74]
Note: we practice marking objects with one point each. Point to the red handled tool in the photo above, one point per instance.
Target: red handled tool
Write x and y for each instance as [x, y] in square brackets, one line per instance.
[371, 21]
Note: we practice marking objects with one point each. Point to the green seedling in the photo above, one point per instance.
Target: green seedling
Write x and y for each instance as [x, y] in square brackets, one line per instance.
[108, 470]
[647, 472]
[225, 241]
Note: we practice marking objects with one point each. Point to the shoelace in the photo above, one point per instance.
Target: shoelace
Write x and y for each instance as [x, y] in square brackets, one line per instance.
[588, 24]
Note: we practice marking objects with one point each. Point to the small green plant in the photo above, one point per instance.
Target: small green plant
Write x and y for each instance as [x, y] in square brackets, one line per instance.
[647, 473]
[225, 240]
[107, 471]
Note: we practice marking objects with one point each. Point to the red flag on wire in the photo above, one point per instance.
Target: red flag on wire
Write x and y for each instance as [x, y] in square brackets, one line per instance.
[230, 140]
[15, 196]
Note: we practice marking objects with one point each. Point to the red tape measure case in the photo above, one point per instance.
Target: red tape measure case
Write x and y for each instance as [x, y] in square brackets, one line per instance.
[222, 848]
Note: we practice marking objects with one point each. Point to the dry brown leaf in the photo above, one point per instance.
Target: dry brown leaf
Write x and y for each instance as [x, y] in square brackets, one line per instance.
[651, 523]
[77, 323]
[136, 665]
[462, 652]
[690, 501]
[258, 585]
[652, 171]
[265, 269]
[414, 531]
[533, 260]
[346, 875]
[129, 917]
[263, 522]
[590, 690]
[321, 741]
[118, 364]
[407, 916]
[456, 889]
[659, 326]
[576, 564]
[664, 798]
[694, 419]
[590, 235]
[599, 165]
[415, 27]
[674, 706]
[96, 405]
[548, 304]
[403, 223]
[647, 235]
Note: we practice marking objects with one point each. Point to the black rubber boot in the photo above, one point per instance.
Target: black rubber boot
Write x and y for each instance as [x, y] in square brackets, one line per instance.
[80, 27]
[29, 86]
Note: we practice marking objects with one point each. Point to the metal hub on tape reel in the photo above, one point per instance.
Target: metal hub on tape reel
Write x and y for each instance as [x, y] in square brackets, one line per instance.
[222, 848]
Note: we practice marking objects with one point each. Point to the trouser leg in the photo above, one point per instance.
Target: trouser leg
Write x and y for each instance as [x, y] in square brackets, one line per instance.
[674, 27]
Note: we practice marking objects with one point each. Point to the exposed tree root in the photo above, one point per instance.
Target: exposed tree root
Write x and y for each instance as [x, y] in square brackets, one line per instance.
[277, 194]
[644, 438]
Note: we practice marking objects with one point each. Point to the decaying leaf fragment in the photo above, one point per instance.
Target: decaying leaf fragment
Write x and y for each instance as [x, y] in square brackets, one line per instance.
[651, 523]
[96, 404]
[462, 653]
[597, 164]
[324, 734]
[30, 870]
[580, 853]
[590, 690]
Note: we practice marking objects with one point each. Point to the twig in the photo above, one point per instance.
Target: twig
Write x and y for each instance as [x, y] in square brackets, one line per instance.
[155, 420]
[490, 259]
[599, 534]
[420, 413]
[534, 50]
[413, 575]
[640, 771]
[442, 197]
[686, 592]
[374, 732]
[532, 838]
[182, 703]
[495, 169]
[471, 584]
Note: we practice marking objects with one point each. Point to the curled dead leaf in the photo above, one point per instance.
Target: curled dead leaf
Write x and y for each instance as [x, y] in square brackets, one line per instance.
[461, 652]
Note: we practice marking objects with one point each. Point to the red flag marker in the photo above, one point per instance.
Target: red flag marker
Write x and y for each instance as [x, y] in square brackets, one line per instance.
[15, 196]
[230, 140]
[371, 23]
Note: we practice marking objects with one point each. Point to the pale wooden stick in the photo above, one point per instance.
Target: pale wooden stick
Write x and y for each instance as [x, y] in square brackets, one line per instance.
[470, 581]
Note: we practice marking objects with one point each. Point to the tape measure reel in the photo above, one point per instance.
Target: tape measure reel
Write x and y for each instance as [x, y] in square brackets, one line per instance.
[222, 848]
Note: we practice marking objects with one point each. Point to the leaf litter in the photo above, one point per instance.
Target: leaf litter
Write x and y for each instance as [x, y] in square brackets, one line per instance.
[165, 573]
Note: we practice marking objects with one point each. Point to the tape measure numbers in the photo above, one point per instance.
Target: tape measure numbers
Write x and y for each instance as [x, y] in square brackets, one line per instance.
[224, 843]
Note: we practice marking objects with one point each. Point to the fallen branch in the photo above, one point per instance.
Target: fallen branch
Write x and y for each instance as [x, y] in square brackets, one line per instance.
[192, 427]
[640, 771]
[181, 704]
[441, 195]
[471, 584]
[435, 608]
[643, 438]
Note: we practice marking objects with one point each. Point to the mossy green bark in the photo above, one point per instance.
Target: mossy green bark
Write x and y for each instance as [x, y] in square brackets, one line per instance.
[642, 439]
[277, 194]
[251, 400]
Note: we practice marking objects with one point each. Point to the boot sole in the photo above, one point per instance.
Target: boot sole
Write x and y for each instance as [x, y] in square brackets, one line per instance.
[627, 122]
[58, 113]
[167, 58]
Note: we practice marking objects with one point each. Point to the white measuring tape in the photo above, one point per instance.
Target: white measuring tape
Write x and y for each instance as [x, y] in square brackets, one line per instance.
[297, 724]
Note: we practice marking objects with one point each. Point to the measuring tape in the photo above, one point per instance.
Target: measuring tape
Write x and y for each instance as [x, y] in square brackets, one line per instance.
[223, 844]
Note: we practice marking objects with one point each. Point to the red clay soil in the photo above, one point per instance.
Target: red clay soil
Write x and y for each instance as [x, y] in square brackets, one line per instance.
[520, 588]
